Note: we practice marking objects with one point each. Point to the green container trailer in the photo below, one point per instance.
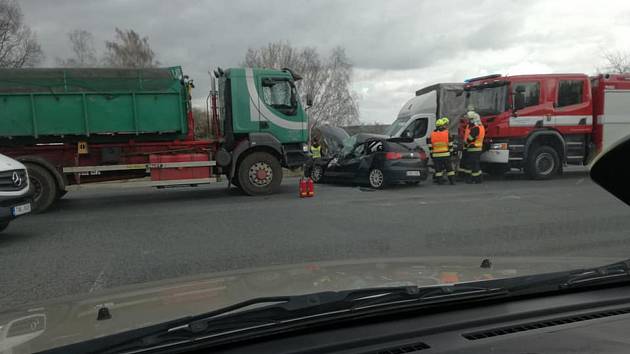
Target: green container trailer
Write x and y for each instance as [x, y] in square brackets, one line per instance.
[92, 104]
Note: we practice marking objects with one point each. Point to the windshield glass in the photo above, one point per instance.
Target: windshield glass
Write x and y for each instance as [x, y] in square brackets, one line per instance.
[396, 127]
[487, 101]
[348, 145]
[164, 159]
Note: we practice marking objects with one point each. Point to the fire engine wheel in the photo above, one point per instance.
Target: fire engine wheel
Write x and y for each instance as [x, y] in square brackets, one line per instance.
[317, 173]
[376, 179]
[43, 186]
[259, 173]
[543, 162]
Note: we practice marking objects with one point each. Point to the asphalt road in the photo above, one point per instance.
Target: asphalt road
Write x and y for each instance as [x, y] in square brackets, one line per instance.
[101, 239]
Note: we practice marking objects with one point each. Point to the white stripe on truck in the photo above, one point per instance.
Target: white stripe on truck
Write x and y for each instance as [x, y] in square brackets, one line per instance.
[530, 121]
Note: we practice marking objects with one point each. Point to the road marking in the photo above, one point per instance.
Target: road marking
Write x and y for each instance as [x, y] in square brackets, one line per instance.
[511, 196]
[579, 181]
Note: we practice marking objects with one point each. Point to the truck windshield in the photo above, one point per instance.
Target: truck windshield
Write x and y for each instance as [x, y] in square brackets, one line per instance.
[396, 127]
[487, 101]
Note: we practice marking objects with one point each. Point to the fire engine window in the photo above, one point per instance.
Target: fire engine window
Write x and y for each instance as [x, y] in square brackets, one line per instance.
[570, 92]
[526, 94]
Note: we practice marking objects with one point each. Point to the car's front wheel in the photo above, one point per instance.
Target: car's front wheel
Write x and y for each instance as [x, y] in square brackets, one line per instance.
[376, 178]
[317, 173]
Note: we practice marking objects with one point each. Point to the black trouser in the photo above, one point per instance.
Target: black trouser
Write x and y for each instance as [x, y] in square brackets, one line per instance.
[442, 167]
[474, 165]
[464, 164]
[308, 168]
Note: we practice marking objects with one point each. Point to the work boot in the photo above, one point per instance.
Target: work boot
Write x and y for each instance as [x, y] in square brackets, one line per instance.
[469, 179]
[451, 180]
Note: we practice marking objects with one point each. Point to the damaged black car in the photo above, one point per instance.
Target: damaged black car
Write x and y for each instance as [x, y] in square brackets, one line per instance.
[367, 159]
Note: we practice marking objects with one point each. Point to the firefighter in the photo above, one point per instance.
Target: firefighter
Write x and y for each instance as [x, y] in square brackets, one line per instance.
[464, 169]
[441, 148]
[473, 144]
[315, 153]
[316, 149]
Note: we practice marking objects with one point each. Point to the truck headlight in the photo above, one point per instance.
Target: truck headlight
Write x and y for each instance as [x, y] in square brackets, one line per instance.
[304, 147]
[499, 146]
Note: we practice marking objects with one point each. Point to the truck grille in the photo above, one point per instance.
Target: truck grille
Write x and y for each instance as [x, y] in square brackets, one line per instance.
[14, 180]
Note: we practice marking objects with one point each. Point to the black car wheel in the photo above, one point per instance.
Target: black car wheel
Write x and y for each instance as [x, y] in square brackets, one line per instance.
[317, 173]
[376, 178]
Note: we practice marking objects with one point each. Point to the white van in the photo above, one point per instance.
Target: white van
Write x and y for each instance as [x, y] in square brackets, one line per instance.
[417, 117]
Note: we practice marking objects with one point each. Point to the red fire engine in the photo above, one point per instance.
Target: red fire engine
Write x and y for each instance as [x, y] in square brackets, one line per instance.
[540, 123]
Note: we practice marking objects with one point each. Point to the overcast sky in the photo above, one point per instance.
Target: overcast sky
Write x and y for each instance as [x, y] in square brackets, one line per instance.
[396, 47]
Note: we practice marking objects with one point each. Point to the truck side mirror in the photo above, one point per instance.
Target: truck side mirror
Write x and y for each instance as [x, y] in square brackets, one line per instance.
[309, 100]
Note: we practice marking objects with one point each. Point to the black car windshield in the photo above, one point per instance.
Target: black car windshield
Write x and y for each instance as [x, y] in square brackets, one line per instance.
[487, 101]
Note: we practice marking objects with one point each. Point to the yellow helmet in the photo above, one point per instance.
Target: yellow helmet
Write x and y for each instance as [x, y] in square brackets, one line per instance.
[445, 121]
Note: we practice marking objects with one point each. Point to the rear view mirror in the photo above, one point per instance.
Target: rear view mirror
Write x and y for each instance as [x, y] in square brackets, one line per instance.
[611, 171]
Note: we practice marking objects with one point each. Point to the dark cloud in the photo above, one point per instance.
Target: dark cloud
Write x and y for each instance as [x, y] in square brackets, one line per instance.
[384, 35]
[379, 36]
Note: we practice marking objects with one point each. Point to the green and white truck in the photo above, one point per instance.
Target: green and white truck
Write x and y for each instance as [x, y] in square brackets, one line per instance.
[76, 128]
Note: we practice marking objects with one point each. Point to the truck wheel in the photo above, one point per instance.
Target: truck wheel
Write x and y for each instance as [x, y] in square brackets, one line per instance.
[543, 163]
[3, 225]
[43, 186]
[259, 173]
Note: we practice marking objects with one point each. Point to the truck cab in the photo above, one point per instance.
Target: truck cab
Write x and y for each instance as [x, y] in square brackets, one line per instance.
[261, 115]
[417, 116]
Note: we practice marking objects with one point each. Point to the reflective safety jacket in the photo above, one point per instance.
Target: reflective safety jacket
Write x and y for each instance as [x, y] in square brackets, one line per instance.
[316, 152]
[474, 137]
[439, 144]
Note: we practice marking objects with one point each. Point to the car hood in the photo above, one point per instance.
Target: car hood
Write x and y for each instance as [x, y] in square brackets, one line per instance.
[74, 319]
[7, 163]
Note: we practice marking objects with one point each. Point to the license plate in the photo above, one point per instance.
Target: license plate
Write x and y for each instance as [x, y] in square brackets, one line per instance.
[21, 209]
[413, 173]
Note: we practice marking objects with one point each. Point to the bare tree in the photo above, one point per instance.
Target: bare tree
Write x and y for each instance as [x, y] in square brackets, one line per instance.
[84, 53]
[18, 44]
[328, 81]
[129, 50]
[616, 62]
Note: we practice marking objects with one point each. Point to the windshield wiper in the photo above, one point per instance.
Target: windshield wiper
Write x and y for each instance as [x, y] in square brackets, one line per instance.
[285, 312]
[613, 273]
[278, 314]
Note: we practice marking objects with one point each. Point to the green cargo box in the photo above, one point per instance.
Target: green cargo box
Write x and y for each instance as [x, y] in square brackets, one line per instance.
[92, 104]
